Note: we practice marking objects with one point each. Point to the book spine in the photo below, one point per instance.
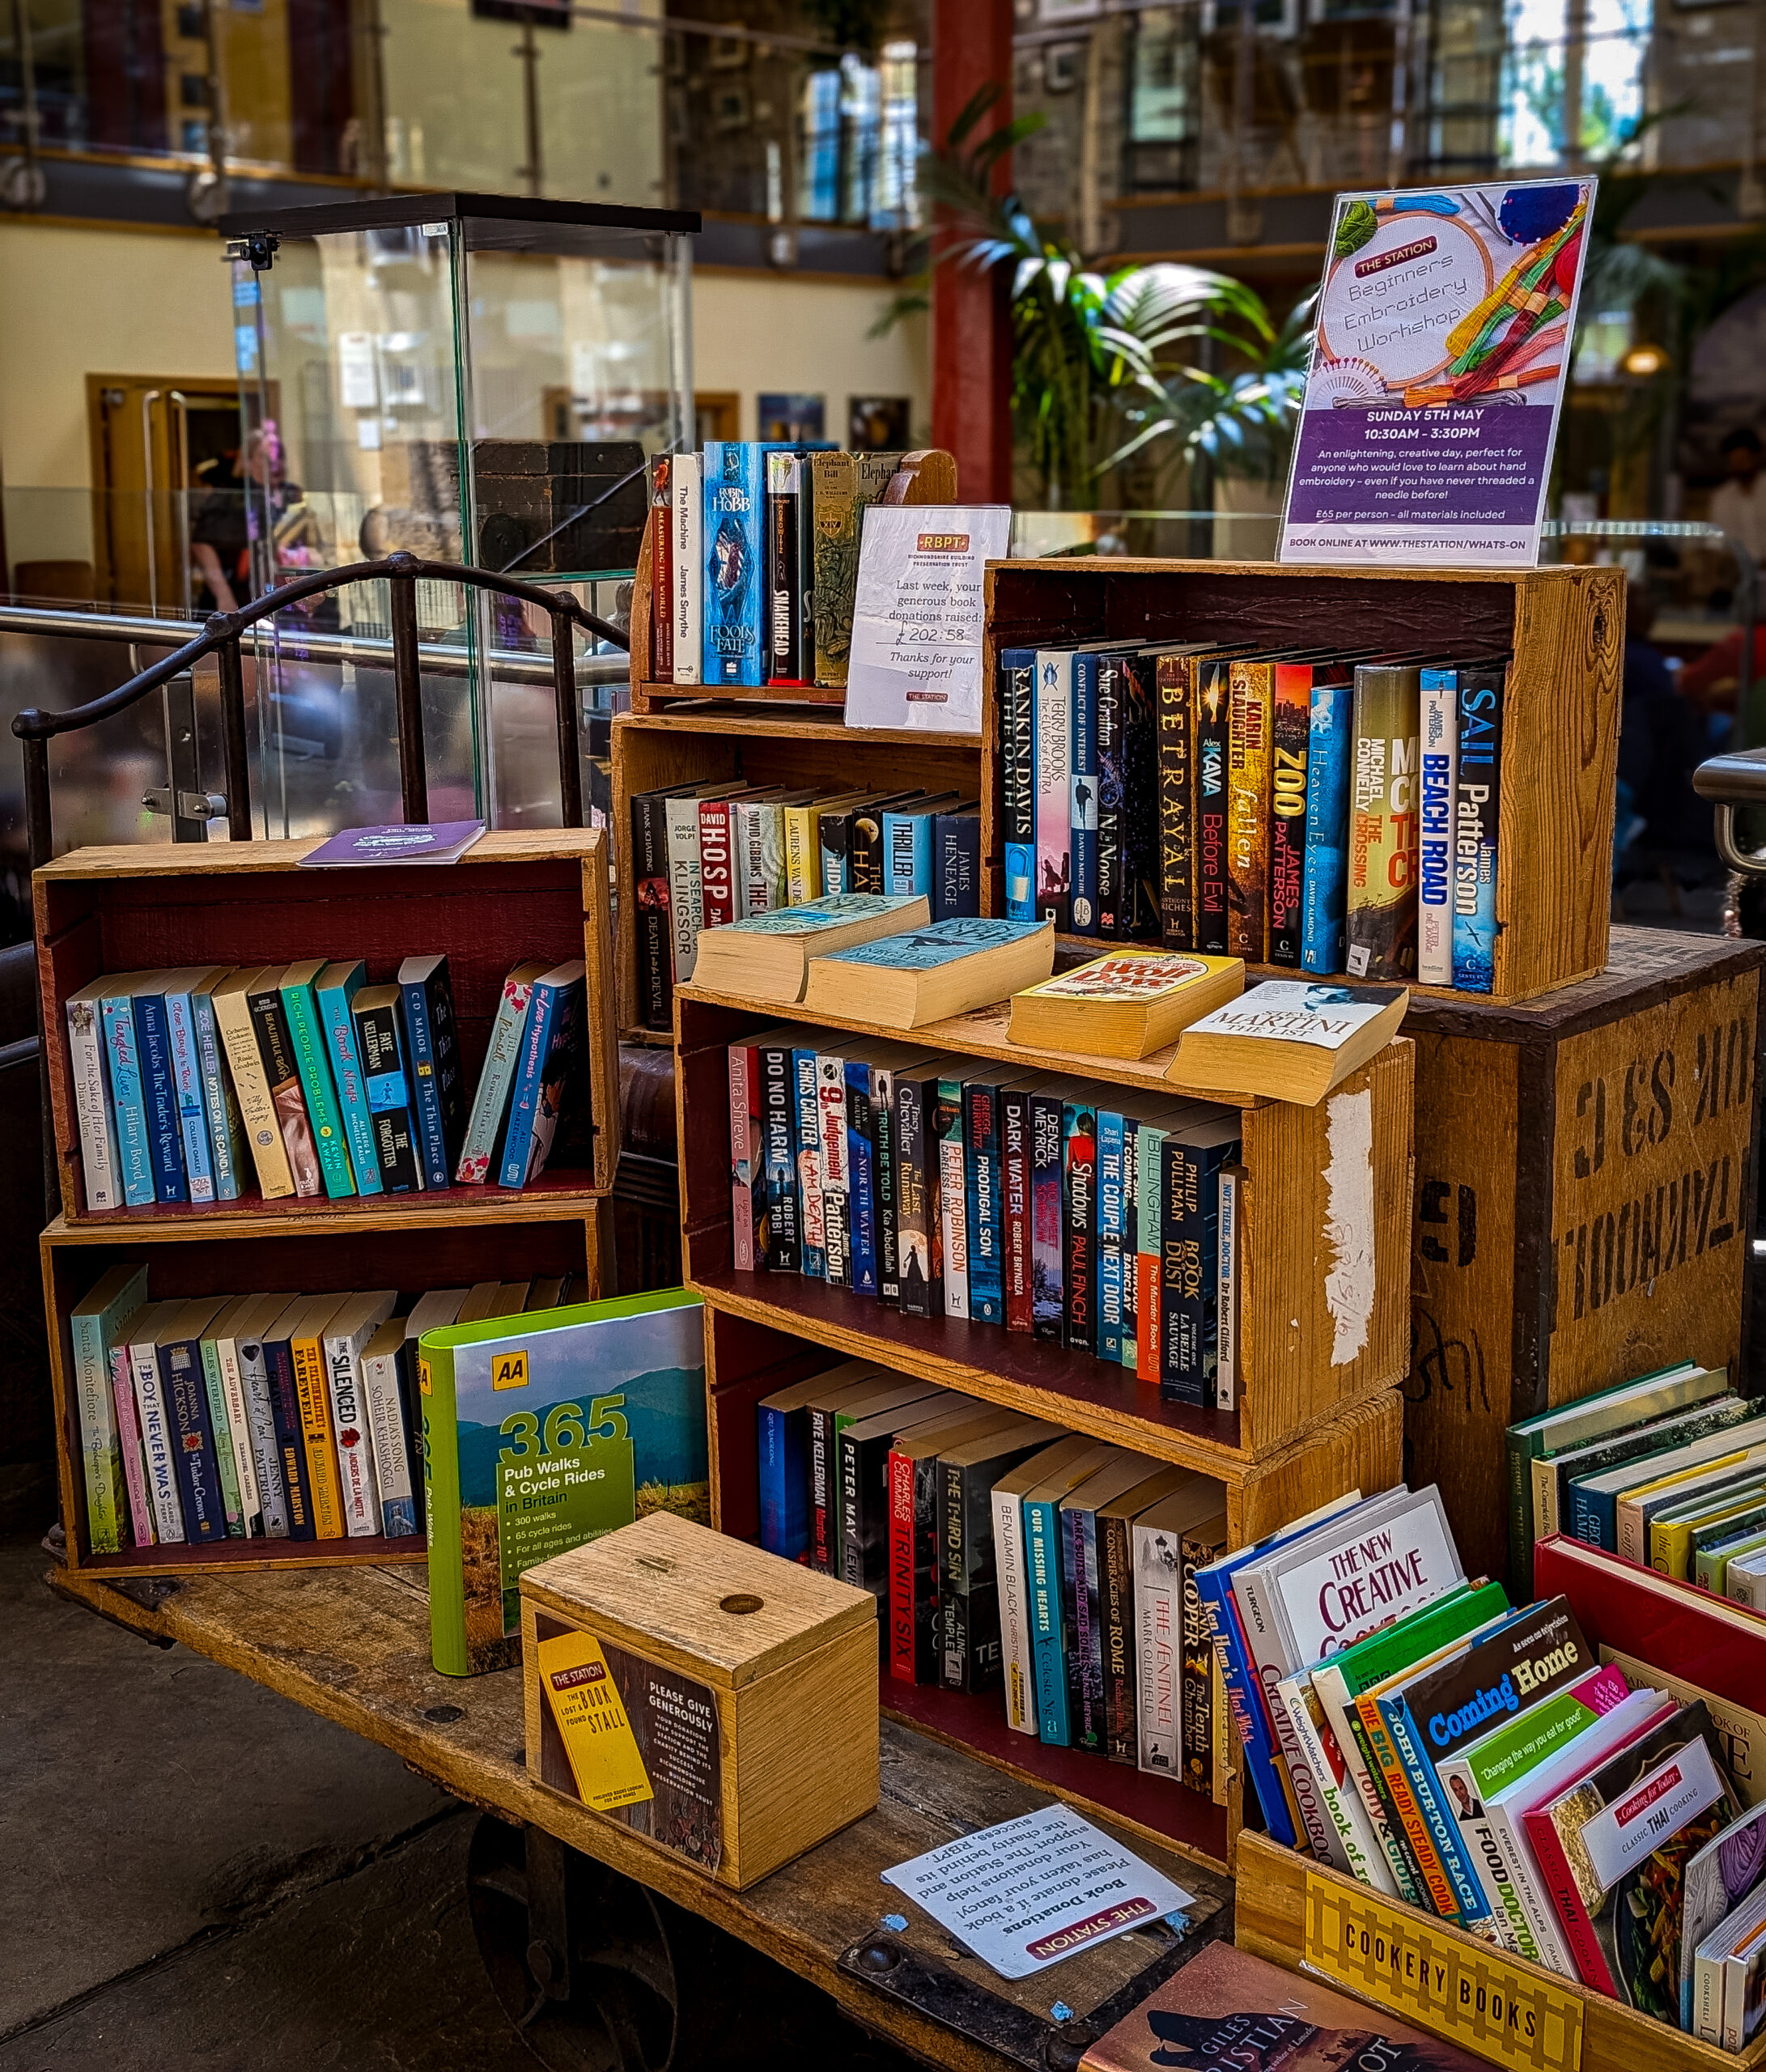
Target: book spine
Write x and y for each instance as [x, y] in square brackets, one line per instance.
[270, 1025]
[291, 1440]
[1439, 756]
[1089, 1607]
[778, 1160]
[1138, 918]
[1196, 1668]
[524, 1097]
[1158, 1659]
[686, 567]
[442, 1510]
[324, 1484]
[153, 1408]
[1182, 1376]
[1149, 1259]
[836, 1170]
[1014, 1201]
[243, 1369]
[1347, 1802]
[886, 1185]
[159, 1091]
[1048, 1215]
[353, 1429]
[1226, 1287]
[1213, 730]
[129, 1446]
[226, 1138]
[1054, 789]
[100, 1454]
[1017, 704]
[763, 880]
[1079, 1228]
[237, 1414]
[770, 1477]
[717, 879]
[786, 659]
[1017, 1662]
[1083, 791]
[308, 1040]
[803, 862]
[650, 911]
[1127, 1350]
[1330, 752]
[1047, 1648]
[134, 1160]
[807, 1119]
[192, 1441]
[686, 900]
[1477, 815]
[1247, 812]
[942, 1636]
[257, 1110]
[901, 1604]
[99, 1166]
[1109, 1236]
[659, 527]
[864, 852]
[953, 1198]
[1304, 1757]
[1116, 1601]
[1389, 1767]
[1381, 923]
[187, 1089]
[1244, 1696]
[861, 1180]
[388, 1097]
[1469, 1900]
[1547, 1931]
[822, 1469]
[385, 1403]
[907, 848]
[833, 839]
[735, 550]
[1112, 844]
[1290, 749]
[980, 1135]
[837, 508]
[226, 1452]
[1177, 801]
[921, 1239]
[1561, 1890]
[956, 866]
[485, 1126]
[743, 1107]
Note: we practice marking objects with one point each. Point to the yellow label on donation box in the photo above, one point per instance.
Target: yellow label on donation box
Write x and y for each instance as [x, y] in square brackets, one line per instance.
[1479, 1999]
[591, 1723]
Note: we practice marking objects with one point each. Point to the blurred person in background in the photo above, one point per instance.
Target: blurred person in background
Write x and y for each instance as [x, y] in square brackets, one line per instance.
[1663, 737]
[1739, 503]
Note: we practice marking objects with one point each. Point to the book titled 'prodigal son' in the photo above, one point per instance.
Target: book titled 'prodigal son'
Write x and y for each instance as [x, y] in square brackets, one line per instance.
[543, 1431]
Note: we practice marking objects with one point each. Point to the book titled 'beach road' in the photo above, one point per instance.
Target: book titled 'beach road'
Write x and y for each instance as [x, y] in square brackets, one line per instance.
[444, 842]
[540, 1432]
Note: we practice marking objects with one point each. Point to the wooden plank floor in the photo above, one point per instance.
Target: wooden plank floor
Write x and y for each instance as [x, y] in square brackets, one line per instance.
[353, 1645]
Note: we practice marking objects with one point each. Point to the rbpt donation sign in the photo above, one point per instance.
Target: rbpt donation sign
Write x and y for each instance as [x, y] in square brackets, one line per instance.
[1445, 325]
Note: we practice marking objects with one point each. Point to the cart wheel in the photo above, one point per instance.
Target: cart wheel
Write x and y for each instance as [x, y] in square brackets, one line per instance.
[642, 1985]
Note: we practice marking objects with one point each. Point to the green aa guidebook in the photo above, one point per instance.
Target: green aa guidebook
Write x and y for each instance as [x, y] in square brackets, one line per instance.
[544, 1430]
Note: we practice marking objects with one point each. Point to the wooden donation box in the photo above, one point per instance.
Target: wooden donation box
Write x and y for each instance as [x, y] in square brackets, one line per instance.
[720, 1701]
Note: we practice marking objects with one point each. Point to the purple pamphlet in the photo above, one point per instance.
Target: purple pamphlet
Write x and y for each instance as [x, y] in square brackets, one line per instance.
[445, 841]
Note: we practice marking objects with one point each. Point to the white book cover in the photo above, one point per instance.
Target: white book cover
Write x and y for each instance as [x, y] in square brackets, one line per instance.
[1158, 1600]
[1440, 752]
[491, 1102]
[1634, 1513]
[122, 1395]
[836, 1179]
[156, 1427]
[351, 1329]
[399, 1502]
[1388, 1871]
[238, 1418]
[1014, 1612]
[686, 569]
[247, 1349]
[1322, 1013]
[1744, 1581]
[87, 1058]
[686, 889]
[1335, 1591]
[1226, 1294]
[1310, 1769]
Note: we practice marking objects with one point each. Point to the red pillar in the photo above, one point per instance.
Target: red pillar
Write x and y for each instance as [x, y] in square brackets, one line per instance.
[971, 323]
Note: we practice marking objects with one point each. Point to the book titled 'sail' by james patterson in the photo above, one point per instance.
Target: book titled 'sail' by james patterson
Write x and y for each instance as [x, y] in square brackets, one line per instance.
[441, 842]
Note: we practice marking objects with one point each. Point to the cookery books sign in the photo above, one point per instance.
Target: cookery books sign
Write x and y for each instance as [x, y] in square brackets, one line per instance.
[1445, 324]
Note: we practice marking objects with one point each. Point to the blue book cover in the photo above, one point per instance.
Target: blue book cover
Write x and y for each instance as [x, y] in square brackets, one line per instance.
[1048, 1143]
[187, 1083]
[1048, 1646]
[807, 1133]
[1244, 1695]
[1469, 1895]
[1083, 783]
[1594, 1516]
[987, 1226]
[555, 1018]
[907, 853]
[1325, 887]
[861, 1179]
[735, 532]
[1131, 1238]
[784, 1482]
[338, 985]
[939, 942]
[1477, 814]
[192, 1441]
[226, 1133]
[134, 1161]
[438, 1168]
[160, 1093]
[1018, 749]
[1110, 1197]
[1438, 702]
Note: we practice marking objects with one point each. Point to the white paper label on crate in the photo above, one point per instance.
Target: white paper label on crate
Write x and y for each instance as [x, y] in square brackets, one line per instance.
[1350, 1278]
[918, 612]
[1026, 1894]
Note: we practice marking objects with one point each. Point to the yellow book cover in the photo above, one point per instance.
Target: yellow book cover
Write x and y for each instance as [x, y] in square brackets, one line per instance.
[1672, 1542]
[803, 853]
[306, 1351]
[592, 1721]
[1247, 811]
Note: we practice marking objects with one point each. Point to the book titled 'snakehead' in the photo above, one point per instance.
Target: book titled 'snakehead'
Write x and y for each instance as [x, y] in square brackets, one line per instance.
[444, 842]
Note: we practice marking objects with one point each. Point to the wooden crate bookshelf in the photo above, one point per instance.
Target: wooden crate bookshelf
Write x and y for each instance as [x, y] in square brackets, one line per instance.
[712, 740]
[369, 1245]
[1560, 712]
[543, 893]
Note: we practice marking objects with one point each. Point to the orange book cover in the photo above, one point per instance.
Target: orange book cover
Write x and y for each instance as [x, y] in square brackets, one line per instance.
[1247, 811]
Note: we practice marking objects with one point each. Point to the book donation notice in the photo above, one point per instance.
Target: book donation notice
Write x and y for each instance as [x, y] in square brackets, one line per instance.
[917, 614]
[1032, 1891]
[1445, 327]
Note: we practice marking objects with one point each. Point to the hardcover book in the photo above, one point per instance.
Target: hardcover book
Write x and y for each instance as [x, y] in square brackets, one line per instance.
[522, 1460]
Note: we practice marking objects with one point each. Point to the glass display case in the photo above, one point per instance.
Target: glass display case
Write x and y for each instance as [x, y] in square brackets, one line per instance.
[466, 377]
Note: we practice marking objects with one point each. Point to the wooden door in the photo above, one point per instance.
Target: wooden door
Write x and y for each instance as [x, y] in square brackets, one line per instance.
[154, 441]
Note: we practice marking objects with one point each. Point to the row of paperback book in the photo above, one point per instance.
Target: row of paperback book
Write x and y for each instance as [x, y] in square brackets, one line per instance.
[247, 1417]
[1334, 814]
[334, 1086]
[1083, 1215]
[706, 856]
[1590, 1812]
[754, 561]
[1668, 1471]
[1007, 1555]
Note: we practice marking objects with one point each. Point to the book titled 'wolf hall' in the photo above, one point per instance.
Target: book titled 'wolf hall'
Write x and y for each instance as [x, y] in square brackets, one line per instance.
[544, 1430]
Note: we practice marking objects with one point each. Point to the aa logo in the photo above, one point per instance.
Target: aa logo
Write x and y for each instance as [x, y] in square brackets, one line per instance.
[509, 1370]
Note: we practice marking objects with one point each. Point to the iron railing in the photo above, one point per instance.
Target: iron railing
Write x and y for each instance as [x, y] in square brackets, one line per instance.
[221, 637]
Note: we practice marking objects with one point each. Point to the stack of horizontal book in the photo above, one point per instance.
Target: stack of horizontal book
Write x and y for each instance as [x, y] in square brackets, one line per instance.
[188, 1083]
[273, 1417]
[1007, 1555]
[1084, 1215]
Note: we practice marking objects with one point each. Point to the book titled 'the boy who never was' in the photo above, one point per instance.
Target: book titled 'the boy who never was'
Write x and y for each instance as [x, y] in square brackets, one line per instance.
[541, 1432]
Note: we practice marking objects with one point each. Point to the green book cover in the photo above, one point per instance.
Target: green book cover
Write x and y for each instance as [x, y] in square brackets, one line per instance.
[542, 1431]
[97, 1324]
[1554, 1472]
[308, 1037]
[231, 1508]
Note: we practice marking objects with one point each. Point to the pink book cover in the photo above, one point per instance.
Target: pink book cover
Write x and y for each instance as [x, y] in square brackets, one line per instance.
[129, 1443]
[744, 1135]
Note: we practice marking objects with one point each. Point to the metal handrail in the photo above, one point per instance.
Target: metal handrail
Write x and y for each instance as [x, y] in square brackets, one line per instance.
[222, 635]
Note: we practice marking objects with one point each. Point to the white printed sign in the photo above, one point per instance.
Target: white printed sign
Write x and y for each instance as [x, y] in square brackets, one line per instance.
[917, 614]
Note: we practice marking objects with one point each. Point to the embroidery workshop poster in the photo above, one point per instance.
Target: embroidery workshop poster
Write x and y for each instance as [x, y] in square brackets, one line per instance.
[1445, 328]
